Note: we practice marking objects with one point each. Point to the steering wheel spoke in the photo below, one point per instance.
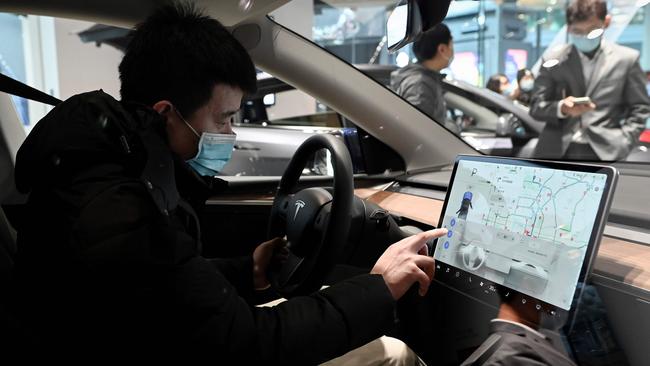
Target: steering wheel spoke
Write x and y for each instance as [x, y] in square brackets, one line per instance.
[322, 220]
[283, 206]
[316, 221]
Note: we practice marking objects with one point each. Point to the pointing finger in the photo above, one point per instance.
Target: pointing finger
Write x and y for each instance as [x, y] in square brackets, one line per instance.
[420, 239]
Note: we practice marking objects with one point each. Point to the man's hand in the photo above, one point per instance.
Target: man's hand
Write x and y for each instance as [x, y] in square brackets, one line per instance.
[407, 262]
[571, 109]
[269, 253]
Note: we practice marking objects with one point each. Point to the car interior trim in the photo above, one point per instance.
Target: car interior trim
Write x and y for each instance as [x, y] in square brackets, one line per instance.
[620, 257]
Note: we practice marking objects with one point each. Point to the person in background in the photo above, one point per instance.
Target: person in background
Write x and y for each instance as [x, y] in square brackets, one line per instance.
[525, 84]
[499, 84]
[606, 122]
[420, 83]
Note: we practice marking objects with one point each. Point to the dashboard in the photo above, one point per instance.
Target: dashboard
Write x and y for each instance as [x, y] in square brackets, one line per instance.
[623, 257]
[620, 272]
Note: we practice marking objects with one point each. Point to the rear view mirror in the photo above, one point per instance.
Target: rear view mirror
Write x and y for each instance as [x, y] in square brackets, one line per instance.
[404, 25]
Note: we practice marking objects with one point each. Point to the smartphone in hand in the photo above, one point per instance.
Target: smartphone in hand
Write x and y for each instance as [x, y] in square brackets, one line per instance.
[582, 101]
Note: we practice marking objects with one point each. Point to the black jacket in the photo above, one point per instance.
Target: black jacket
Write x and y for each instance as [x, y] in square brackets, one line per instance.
[109, 258]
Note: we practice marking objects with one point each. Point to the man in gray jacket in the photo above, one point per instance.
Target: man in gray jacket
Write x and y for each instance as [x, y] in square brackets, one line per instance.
[608, 124]
[419, 83]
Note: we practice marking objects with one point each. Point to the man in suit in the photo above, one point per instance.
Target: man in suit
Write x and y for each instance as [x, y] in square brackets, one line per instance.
[607, 126]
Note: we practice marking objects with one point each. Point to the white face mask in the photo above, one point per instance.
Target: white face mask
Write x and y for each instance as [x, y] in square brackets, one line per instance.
[527, 85]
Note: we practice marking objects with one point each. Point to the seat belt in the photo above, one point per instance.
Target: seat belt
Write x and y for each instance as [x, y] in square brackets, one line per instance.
[15, 87]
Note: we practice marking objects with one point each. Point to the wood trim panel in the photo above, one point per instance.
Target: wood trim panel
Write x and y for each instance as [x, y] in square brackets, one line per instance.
[624, 261]
[362, 193]
[243, 197]
[617, 259]
[422, 209]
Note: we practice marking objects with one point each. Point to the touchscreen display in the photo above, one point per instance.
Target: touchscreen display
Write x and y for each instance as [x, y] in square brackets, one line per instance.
[526, 228]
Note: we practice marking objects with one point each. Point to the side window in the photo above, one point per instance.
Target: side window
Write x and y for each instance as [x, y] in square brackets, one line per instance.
[284, 106]
[61, 57]
[26, 42]
[486, 124]
[271, 126]
[44, 53]
[275, 121]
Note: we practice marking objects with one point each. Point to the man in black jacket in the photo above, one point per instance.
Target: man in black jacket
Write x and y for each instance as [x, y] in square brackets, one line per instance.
[112, 264]
[421, 83]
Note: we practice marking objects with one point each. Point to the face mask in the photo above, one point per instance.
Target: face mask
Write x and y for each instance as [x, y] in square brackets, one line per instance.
[588, 43]
[527, 85]
[214, 152]
[507, 91]
[451, 59]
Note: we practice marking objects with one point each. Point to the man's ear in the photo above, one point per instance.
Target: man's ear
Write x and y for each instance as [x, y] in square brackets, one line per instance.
[608, 20]
[442, 48]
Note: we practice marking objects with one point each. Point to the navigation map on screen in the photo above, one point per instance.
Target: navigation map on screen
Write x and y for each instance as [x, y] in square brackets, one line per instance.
[526, 228]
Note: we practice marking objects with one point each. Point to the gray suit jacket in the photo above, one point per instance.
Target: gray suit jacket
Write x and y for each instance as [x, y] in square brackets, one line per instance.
[513, 345]
[617, 89]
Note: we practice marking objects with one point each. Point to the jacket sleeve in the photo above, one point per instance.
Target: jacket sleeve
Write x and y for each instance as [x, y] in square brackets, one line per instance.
[303, 330]
[238, 271]
[425, 98]
[422, 96]
[140, 254]
[636, 96]
[544, 102]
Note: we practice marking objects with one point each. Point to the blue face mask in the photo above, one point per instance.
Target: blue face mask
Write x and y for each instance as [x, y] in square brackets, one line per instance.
[215, 150]
[588, 43]
[508, 90]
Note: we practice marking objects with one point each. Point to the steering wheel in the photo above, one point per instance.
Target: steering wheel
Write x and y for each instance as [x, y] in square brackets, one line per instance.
[316, 221]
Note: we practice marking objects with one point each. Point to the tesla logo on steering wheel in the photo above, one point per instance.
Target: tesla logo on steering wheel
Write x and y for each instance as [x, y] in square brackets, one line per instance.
[299, 204]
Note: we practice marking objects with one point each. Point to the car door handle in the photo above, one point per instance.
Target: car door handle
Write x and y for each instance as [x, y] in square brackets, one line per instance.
[246, 148]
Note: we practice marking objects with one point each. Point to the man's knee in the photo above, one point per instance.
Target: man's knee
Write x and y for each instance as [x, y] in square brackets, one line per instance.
[384, 351]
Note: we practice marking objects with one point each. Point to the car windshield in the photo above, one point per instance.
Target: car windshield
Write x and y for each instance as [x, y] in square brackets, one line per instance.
[532, 79]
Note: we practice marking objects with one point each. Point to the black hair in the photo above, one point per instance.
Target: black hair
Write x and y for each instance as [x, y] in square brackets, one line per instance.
[523, 72]
[494, 83]
[426, 46]
[179, 54]
[581, 10]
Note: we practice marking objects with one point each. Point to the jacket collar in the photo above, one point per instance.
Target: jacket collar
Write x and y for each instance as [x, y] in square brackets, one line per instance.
[433, 73]
[507, 326]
